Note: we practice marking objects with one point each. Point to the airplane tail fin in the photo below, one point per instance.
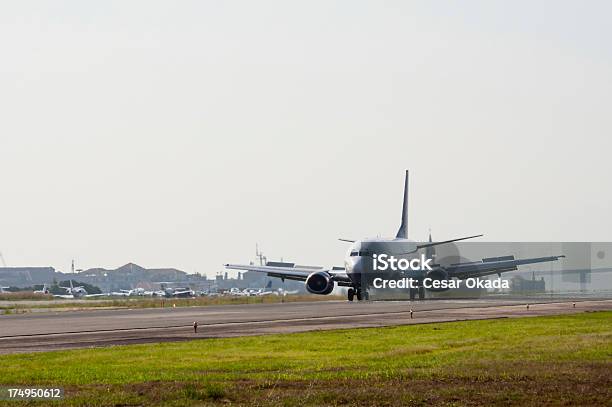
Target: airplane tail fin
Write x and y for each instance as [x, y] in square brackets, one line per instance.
[403, 230]
[269, 285]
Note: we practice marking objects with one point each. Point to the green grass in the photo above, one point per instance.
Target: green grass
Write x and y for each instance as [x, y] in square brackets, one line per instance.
[561, 360]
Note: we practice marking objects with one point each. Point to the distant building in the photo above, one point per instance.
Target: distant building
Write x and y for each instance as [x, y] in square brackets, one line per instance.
[132, 275]
[26, 276]
[520, 285]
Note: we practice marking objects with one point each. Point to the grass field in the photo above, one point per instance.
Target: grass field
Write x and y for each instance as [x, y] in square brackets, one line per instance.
[13, 306]
[24, 295]
[562, 360]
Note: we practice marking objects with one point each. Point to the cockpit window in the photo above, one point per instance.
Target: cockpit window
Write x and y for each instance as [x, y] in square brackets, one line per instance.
[361, 253]
[354, 254]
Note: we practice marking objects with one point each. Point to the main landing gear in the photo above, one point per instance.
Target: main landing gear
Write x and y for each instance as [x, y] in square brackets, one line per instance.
[420, 291]
[361, 294]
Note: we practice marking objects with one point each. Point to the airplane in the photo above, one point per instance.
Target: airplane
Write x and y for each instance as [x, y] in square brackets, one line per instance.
[72, 292]
[235, 291]
[282, 292]
[120, 293]
[267, 290]
[278, 292]
[76, 292]
[124, 293]
[358, 271]
[137, 292]
[43, 290]
[134, 292]
[157, 293]
[179, 293]
[258, 292]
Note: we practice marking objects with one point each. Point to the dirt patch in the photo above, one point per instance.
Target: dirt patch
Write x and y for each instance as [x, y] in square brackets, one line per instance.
[531, 384]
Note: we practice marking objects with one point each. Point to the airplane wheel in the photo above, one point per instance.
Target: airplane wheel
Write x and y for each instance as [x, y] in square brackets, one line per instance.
[351, 294]
[359, 296]
[421, 293]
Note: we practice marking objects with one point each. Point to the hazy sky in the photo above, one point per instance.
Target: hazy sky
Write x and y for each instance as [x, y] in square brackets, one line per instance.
[180, 133]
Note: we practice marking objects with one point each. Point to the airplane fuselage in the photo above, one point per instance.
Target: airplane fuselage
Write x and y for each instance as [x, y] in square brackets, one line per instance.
[359, 264]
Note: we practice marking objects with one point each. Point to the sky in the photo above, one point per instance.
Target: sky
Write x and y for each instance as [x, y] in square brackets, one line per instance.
[180, 134]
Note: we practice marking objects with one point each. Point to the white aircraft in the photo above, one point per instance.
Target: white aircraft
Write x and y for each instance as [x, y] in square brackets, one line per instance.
[73, 292]
[267, 290]
[235, 291]
[256, 292]
[43, 290]
[179, 292]
[283, 293]
[358, 272]
[134, 292]
[158, 293]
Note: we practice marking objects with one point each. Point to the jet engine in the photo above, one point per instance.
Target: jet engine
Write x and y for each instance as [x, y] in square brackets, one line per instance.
[438, 274]
[319, 282]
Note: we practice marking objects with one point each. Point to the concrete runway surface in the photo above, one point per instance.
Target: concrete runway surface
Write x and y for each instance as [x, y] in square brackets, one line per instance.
[95, 328]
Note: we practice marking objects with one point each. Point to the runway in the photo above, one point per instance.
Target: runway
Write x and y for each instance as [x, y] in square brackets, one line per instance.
[96, 328]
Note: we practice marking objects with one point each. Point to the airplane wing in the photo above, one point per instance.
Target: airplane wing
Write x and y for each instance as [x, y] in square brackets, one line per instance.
[290, 271]
[492, 265]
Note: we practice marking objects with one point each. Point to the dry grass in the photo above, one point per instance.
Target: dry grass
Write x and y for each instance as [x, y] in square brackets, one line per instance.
[147, 302]
[24, 295]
